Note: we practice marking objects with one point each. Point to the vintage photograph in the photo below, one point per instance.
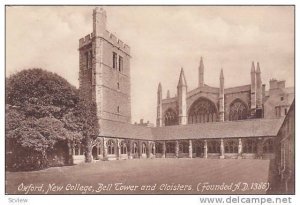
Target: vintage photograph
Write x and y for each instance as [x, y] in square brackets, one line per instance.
[150, 100]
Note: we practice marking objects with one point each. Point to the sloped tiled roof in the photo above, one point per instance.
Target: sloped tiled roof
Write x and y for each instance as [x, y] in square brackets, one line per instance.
[228, 129]
[124, 130]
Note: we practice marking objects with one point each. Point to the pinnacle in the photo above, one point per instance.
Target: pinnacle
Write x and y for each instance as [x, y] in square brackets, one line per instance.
[182, 81]
[257, 68]
[159, 87]
[221, 74]
[252, 67]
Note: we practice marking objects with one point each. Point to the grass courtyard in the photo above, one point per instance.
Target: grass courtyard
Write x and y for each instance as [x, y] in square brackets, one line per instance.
[146, 176]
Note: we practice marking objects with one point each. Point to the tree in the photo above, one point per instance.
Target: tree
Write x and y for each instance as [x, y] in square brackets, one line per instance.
[37, 104]
[83, 119]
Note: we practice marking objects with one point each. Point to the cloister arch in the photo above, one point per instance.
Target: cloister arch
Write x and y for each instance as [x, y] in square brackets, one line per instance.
[231, 146]
[198, 148]
[123, 147]
[110, 146]
[250, 146]
[213, 146]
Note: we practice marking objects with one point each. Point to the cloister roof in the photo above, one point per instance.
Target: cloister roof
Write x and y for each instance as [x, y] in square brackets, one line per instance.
[228, 129]
[124, 130]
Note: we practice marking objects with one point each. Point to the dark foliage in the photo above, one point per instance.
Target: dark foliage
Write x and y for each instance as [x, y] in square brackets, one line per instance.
[42, 111]
[84, 120]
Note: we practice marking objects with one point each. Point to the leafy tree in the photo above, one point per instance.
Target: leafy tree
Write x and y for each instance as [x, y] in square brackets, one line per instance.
[43, 109]
[84, 120]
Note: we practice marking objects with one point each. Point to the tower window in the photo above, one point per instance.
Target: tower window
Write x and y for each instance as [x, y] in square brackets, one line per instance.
[118, 109]
[120, 63]
[281, 98]
[118, 85]
[114, 60]
[87, 60]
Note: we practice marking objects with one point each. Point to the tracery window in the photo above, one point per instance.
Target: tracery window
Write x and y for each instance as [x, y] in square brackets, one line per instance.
[249, 146]
[110, 147]
[268, 146]
[231, 146]
[213, 146]
[202, 110]
[198, 146]
[170, 147]
[238, 110]
[123, 147]
[171, 117]
[184, 147]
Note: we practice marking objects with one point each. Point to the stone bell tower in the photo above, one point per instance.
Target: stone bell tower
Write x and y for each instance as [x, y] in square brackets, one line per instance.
[104, 74]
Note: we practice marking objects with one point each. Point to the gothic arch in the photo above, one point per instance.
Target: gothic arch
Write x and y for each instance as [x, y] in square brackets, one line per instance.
[198, 148]
[183, 147]
[110, 146]
[170, 117]
[250, 146]
[231, 146]
[238, 110]
[213, 146]
[202, 110]
[123, 147]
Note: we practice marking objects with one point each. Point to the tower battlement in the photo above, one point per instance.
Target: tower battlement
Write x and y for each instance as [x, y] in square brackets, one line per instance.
[86, 40]
[115, 41]
[108, 36]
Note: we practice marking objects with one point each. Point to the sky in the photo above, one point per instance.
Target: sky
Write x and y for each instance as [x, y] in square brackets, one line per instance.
[162, 39]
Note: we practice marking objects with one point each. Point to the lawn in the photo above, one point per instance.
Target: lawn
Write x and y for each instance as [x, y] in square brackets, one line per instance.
[146, 176]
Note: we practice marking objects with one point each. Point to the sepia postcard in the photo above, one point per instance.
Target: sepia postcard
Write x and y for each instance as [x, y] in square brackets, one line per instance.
[171, 100]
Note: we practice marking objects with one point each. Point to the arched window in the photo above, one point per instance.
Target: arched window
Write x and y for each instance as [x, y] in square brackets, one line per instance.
[202, 110]
[170, 117]
[144, 148]
[238, 110]
[231, 146]
[134, 148]
[249, 146]
[213, 146]
[268, 146]
[184, 147]
[110, 147]
[198, 148]
[170, 147]
[123, 147]
[78, 148]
